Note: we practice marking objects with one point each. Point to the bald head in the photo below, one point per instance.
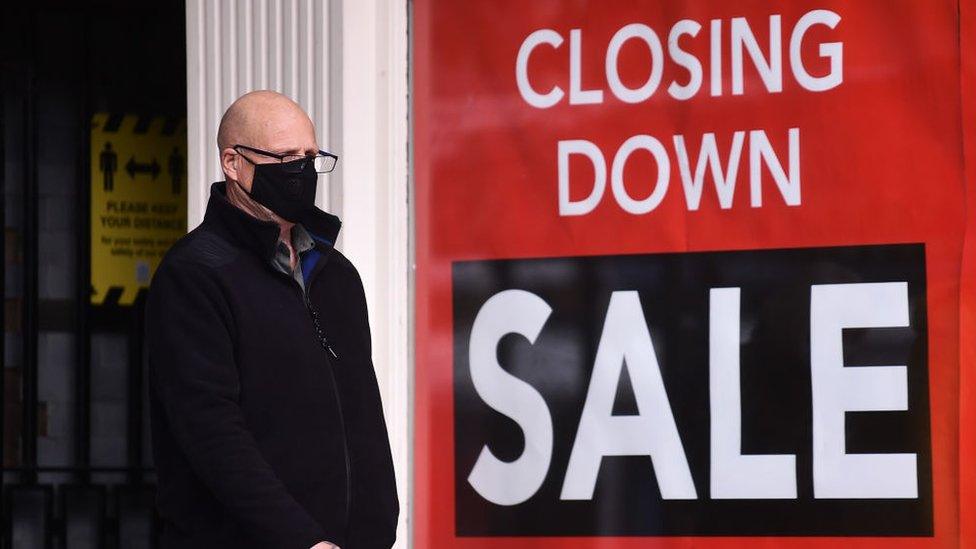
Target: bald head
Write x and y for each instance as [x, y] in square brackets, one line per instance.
[265, 120]
[264, 116]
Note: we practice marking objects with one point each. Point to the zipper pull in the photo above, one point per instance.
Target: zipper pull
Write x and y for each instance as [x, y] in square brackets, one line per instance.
[318, 328]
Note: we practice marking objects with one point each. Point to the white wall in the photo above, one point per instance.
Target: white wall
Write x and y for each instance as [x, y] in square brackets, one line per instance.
[345, 62]
[235, 46]
[374, 206]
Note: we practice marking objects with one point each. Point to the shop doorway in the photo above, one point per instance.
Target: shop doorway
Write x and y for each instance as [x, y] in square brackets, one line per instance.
[76, 454]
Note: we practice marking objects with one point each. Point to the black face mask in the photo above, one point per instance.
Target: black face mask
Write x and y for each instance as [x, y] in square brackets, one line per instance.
[285, 188]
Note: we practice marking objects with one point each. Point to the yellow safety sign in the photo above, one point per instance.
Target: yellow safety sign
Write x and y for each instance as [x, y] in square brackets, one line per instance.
[138, 200]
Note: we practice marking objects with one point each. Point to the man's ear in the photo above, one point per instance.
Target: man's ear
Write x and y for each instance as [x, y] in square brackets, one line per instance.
[228, 162]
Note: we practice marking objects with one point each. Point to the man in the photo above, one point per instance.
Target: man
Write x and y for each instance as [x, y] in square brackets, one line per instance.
[268, 430]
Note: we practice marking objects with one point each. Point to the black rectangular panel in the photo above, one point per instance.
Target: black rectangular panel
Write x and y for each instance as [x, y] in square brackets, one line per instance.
[776, 393]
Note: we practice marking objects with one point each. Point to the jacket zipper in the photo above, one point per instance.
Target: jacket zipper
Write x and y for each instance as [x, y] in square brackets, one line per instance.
[324, 343]
[323, 340]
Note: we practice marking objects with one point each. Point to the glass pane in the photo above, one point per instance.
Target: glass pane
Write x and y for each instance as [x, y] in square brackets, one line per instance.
[59, 101]
[13, 175]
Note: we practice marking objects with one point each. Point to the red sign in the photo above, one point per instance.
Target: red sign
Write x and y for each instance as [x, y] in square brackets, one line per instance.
[691, 273]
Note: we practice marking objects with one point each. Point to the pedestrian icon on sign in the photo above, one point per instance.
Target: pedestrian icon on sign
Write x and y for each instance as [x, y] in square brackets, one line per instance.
[108, 161]
[176, 170]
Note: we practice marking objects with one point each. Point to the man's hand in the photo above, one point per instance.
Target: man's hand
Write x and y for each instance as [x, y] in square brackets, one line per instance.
[324, 545]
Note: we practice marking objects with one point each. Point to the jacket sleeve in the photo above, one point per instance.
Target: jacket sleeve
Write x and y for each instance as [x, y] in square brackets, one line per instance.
[195, 378]
[375, 507]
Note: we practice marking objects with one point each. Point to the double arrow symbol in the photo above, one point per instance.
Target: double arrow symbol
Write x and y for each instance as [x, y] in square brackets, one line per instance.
[134, 167]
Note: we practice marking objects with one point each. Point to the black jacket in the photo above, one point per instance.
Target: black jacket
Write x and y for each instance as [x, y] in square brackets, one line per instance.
[261, 436]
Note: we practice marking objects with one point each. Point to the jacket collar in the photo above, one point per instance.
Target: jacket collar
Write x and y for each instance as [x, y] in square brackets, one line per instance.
[261, 236]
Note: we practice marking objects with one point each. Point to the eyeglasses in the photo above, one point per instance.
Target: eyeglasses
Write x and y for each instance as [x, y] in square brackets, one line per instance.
[324, 162]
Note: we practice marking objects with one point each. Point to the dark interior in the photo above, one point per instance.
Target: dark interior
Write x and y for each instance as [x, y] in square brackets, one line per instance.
[76, 455]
